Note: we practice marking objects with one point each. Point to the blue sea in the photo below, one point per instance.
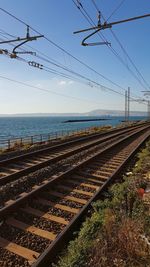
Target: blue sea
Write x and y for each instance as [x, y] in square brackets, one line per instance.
[12, 127]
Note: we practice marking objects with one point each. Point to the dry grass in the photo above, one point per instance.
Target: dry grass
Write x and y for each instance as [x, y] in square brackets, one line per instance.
[119, 244]
[118, 232]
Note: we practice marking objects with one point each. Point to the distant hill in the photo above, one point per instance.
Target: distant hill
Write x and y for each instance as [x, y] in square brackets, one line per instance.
[97, 112]
[100, 112]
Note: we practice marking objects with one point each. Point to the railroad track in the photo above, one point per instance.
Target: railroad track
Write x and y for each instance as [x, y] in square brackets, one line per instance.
[16, 167]
[14, 189]
[34, 227]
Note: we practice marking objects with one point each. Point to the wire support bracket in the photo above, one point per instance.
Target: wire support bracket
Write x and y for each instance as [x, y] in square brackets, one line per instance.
[93, 44]
[104, 26]
[26, 39]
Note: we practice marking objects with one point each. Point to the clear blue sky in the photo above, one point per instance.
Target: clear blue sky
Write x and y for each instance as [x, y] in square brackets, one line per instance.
[57, 19]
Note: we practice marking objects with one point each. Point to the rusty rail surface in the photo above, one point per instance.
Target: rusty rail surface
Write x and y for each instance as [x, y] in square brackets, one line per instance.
[35, 226]
[14, 168]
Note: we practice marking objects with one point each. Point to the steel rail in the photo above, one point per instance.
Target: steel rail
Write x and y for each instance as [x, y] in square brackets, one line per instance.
[5, 211]
[80, 139]
[27, 170]
[47, 257]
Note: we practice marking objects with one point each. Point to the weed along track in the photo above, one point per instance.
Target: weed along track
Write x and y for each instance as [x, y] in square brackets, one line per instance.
[34, 227]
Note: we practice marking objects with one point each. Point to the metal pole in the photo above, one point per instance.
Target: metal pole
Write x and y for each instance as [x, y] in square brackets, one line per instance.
[128, 102]
[126, 105]
[148, 110]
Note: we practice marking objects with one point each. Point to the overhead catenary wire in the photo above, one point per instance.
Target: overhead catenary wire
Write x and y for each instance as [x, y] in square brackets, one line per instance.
[93, 83]
[129, 58]
[69, 54]
[127, 55]
[122, 47]
[115, 53]
[110, 47]
[97, 85]
[116, 9]
[46, 90]
[65, 51]
[91, 22]
[8, 34]
[7, 53]
[90, 81]
[68, 69]
[45, 68]
[52, 42]
[50, 70]
[96, 7]
[28, 46]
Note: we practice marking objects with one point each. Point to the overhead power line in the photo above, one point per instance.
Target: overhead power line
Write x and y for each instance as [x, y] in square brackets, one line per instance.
[69, 54]
[123, 49]
[49, 91]
[46, 90]
[116, 9]
[90, 20]
[77, 77]
[47, 69]
[109, 25]
[62, 49]
[129, 58]
[89, 82]
[65, 51]
[127, 55]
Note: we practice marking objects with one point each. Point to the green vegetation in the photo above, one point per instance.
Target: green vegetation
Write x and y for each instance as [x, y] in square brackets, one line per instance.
[115, 234]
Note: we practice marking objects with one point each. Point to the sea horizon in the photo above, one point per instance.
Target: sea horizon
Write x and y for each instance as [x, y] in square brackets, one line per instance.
[14, 127]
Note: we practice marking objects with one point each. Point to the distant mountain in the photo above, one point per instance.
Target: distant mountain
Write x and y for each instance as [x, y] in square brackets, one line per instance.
[100, 112]
[97, 112]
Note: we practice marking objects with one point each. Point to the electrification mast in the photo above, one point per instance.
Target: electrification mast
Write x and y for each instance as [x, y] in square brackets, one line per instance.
[147, 93]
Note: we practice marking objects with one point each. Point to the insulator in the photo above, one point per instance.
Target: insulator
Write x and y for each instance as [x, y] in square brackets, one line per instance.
[13, 55]
[35, 64]
[99, 18]
[3, 51]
